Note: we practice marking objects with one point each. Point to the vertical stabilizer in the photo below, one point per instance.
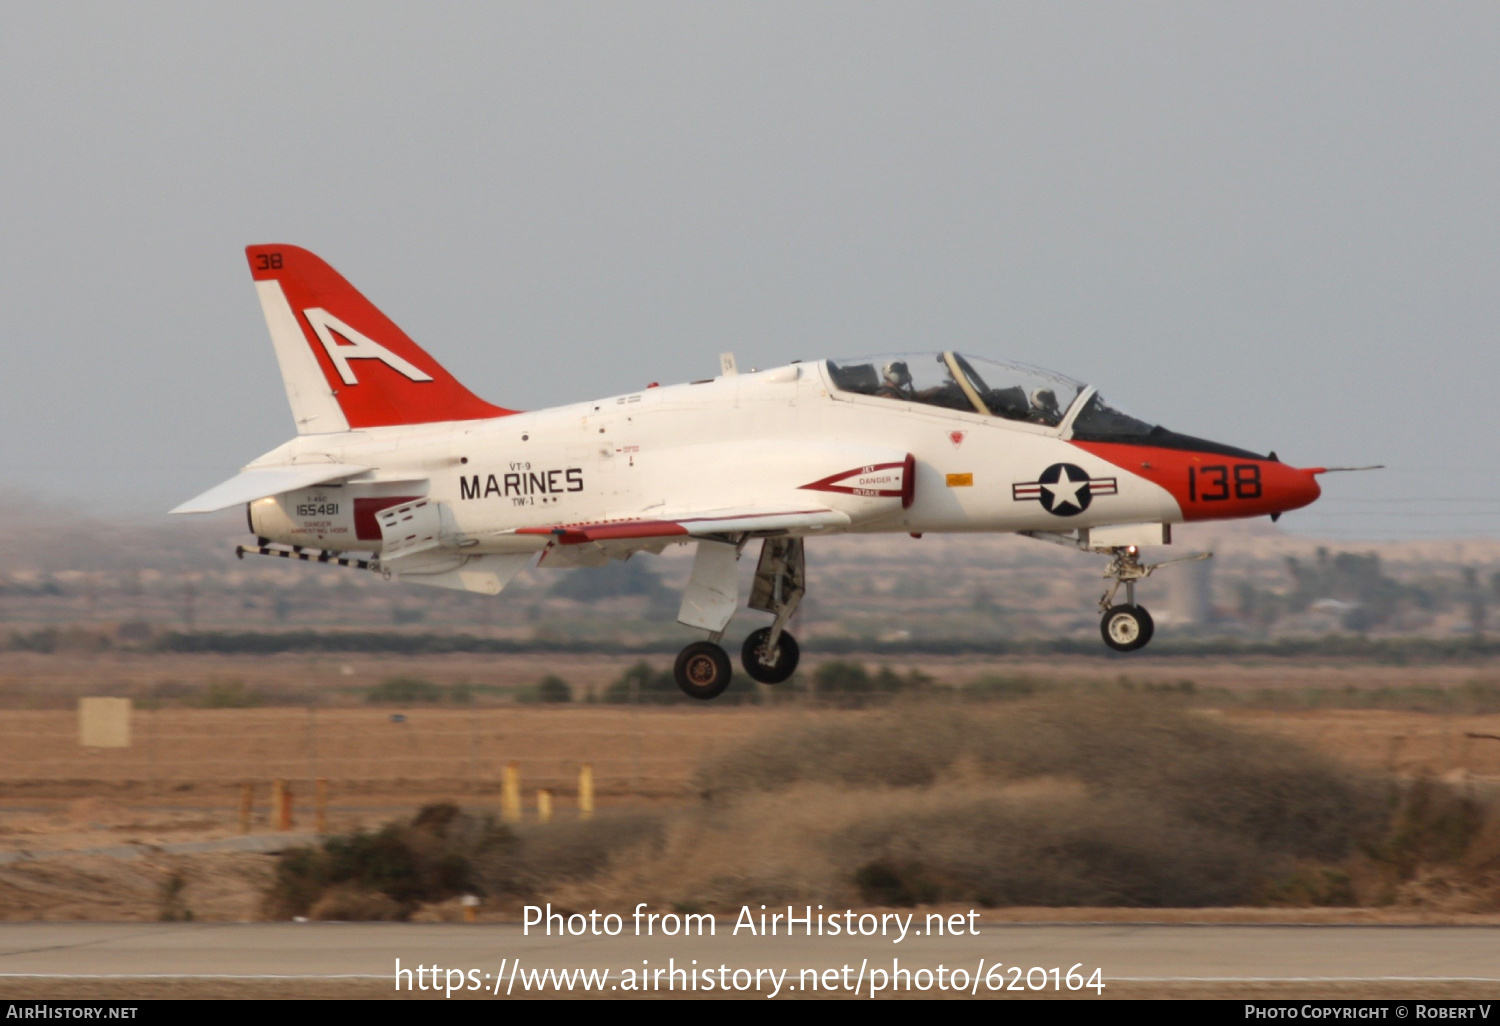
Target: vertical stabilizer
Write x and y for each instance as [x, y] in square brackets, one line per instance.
[344, 363]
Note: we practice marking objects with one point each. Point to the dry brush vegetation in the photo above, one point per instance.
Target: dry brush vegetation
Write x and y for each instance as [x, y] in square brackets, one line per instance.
[1117, 800]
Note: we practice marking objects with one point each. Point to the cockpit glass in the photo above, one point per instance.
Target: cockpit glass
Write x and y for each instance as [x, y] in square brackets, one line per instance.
[1010, 390]
[1098, 421]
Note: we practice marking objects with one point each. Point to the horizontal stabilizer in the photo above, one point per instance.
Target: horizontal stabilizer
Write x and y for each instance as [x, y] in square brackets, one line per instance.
[259, 482]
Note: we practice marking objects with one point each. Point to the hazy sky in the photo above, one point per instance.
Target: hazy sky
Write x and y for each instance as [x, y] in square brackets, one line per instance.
[1275, 225]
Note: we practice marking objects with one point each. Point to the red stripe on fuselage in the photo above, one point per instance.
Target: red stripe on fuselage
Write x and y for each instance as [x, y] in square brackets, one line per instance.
[1210, 486]
[580, 533]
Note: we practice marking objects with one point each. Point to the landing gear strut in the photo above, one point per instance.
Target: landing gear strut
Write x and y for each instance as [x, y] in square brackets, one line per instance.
[770, 654]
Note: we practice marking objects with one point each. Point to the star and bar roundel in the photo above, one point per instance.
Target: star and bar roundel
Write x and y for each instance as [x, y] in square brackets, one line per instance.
[1064, 490]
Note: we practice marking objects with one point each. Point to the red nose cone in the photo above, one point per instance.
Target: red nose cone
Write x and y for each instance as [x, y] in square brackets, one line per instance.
[1301, 487]
[1216, 486]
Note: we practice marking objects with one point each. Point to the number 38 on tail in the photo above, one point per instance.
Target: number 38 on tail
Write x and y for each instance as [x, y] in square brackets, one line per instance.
[398, 468]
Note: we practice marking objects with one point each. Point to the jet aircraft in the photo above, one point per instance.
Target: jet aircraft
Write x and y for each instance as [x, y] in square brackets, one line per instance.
[398, 468]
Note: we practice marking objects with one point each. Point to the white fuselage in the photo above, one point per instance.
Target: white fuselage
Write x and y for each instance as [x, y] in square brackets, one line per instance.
[753, 439]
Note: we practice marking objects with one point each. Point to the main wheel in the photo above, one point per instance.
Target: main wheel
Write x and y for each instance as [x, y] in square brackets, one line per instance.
[702, 670]
[782, 662]
[1126, 628]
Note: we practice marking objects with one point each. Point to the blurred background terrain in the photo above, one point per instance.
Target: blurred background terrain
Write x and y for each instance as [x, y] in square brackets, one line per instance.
[130, 580]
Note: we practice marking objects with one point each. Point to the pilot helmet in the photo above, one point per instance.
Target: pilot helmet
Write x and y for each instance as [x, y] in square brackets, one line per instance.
[1044, 400]
[896, 374]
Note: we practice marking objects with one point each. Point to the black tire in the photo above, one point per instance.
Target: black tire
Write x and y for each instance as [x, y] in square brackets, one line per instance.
[1126, 628]
[702, 670]
[1149, 626]
[788, 652]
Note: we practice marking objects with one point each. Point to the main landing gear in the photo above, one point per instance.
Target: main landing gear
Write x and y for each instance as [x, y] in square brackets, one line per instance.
[766, 663]
[770, 654]
[702, 670]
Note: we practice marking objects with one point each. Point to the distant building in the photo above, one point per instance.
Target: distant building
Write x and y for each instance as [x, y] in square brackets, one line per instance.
[1190, 591]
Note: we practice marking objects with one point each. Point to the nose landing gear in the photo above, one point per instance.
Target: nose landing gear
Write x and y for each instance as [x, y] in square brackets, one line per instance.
[1125, 627]
[1128, 627]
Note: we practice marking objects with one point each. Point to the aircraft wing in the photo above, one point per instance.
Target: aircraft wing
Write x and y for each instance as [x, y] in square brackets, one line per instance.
[258, 482]
[697, 525]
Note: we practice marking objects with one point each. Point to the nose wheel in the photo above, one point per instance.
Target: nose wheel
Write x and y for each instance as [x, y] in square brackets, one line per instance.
[702, 670]
[1126, 628]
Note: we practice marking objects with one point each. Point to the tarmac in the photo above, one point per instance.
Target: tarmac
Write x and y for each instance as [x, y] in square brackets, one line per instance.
[500, 960]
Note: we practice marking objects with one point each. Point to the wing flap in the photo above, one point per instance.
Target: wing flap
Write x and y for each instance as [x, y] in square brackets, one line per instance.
[709, 523]
[485, 575]
[258, 482]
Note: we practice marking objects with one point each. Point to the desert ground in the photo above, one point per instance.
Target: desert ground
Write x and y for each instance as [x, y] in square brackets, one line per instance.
[156, 831]
[102, 833]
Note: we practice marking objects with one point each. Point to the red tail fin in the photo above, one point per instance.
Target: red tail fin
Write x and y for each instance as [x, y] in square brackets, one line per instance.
[344, 360]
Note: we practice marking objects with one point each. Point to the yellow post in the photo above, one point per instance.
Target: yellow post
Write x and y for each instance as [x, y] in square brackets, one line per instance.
[510, 793]
[586, 791]
[320, 805]
[247, 805]
[544, 806]
[281, 805]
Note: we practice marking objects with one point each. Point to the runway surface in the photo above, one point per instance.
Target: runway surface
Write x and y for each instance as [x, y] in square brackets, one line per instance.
[49, 958]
